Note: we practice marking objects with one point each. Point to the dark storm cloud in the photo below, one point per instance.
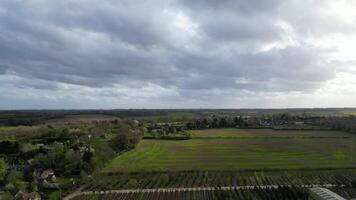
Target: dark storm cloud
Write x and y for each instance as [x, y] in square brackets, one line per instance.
[100, 44]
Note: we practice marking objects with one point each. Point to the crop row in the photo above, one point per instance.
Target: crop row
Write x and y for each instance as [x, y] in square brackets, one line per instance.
[254, 193]
[219, 179]
[346, 192]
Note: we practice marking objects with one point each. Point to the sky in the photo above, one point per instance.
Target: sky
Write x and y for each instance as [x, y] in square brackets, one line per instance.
[78, 54]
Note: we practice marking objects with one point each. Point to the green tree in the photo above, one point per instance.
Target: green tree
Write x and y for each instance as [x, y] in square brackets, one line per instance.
[3, 169]
[102, 154]
[87, 156]
[120, 142]
[222, 122]
[126, 139]
[73, 163]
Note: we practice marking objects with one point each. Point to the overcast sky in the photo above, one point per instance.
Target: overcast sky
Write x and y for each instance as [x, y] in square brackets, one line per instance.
[177, 54]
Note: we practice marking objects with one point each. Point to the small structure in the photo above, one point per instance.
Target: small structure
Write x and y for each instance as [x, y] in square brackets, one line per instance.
[22, 194]
[48, 175]
[299, 123]
[324, 194]
[264, 123]
[30, 161]
[49, 179]
[46, 178]
[83, 148]
[17, 167]
[32, 196]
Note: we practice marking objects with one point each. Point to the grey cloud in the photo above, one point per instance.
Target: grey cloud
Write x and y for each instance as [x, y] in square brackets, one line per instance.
[135, 23]
[237, 21]
[238, 6]
[231, 29]
[289, 69]
[136, 43]
[3, 69]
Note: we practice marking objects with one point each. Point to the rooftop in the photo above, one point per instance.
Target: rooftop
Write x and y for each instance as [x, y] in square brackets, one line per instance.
[325, 194]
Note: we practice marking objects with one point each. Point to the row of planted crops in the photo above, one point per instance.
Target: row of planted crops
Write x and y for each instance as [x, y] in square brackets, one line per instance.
[282, 192]
[219, 179]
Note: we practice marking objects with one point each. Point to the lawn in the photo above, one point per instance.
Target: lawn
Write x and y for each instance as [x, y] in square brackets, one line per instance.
[240, 153]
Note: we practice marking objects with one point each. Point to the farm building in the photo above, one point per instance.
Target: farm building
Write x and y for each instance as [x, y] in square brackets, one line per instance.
[324, 194]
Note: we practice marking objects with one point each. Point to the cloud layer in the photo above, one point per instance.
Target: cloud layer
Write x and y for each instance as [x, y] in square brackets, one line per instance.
[165, 54]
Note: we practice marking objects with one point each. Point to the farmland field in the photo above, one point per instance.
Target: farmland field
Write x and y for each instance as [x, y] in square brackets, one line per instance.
[350, 113]
[254, 150]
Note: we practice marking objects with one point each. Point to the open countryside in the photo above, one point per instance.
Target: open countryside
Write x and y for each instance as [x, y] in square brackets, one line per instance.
[214, 154]
[178, 100]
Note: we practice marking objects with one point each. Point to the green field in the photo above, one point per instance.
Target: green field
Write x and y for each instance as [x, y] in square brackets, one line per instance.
[350, 113]
[236, 149]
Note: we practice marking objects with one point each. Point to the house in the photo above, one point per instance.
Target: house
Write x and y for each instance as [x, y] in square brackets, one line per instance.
[40, 145]
[31, 196]
[30, 161]
[83, 148]
[58, 143]
[48, 175]
[22, 194]
[299, 123]
[265, 123]
[46, 178]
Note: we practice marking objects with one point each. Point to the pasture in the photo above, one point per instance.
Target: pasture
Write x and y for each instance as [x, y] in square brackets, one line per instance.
[236, 149]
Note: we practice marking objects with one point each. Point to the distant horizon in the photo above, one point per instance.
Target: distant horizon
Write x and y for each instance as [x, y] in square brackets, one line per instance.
[187, 109]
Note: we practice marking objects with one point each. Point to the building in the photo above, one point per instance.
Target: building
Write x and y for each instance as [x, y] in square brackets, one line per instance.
[32, 196]
[324, 194]
[48, 175]
[299, 123]
[22, 194]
